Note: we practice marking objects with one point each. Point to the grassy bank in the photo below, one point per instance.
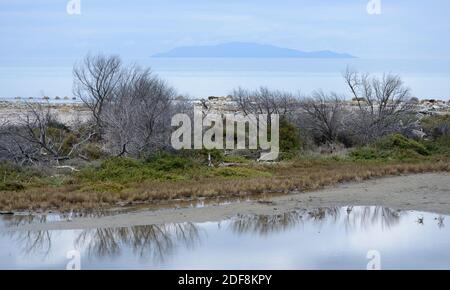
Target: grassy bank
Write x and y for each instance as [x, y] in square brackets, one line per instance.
[79, 192]
[123, 181]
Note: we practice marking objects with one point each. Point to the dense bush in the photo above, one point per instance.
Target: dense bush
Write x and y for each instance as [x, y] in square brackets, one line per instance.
[11, 186]
[93, 151]
[400, 142]
[441, 145]
[121, 170]
[289, 137]
[167, 162]
[365, 153]
[126, 170]
[115, 173]
[394, 146]
[14, 177]
[436, 126]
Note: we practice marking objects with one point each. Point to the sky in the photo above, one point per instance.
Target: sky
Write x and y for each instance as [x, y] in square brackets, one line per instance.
[43, 29]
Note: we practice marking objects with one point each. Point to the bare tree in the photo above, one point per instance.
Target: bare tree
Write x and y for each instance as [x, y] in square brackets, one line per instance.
[131, 106]
[265, 101]
[323, 116]
[95, 82]
[37, 136]
[137, 119]
[13, 150]
[383, 104]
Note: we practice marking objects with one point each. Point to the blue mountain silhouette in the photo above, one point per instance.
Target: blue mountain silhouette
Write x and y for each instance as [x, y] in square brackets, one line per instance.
[243, 49]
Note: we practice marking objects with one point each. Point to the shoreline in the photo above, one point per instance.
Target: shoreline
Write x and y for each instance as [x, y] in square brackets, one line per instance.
[427, 192]
[69, 113]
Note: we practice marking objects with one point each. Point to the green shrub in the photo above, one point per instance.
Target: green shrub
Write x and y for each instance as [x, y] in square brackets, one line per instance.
[11, 186]
[55, 124]
[118, 163]
[444, 143]
[404, 154]
[400, 142]
[56, 181]
[394, 146]
[122, 170]
[365, 153]
[235, 159]
[166, 162]
[439, 146]
[239, 172]
[67, 144]
[436, 126]
[127, 170]
[289, 137]
[93, 151]
[201, 156]
[12, 173]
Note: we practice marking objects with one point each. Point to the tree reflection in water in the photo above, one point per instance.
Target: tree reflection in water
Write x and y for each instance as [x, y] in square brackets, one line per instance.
[30, 242]
[361, 218]
[158, 242]
[440, 220]
[19, 220]
[265, 224]
[368, 216]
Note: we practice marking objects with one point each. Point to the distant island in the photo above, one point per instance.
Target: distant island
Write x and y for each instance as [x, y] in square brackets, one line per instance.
[242, 49]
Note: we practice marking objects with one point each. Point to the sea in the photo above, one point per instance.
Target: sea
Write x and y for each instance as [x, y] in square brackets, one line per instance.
[203, 77]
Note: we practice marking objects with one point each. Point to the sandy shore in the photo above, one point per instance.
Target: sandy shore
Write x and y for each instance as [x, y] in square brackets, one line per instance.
[422, 192]
[69, 114]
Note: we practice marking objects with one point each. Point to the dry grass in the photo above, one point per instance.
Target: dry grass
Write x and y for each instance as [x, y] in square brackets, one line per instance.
[295, 176]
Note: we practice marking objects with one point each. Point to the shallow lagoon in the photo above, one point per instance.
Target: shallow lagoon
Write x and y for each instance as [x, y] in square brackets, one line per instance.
[326, 238]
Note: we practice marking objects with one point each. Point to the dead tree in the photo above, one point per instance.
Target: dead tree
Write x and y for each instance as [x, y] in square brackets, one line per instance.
[383, 104]
[323, 116]
[265, 101]
[137, 118]
[95, 82]
[131, 106]
[38, 137]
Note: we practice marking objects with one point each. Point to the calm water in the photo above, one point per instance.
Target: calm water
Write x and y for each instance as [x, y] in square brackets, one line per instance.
[205, 77]
[328, 238]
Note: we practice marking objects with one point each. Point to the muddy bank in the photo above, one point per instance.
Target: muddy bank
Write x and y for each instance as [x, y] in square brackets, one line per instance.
[422, 192]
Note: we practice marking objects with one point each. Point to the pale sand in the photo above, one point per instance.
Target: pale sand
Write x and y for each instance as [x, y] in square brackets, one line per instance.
[68, 114]
[422, 192]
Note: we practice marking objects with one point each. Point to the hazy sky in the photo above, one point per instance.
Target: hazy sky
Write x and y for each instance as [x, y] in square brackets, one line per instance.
[139, 28]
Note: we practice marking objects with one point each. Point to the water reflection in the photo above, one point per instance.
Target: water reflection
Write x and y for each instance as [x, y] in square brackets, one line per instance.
[352, 219]
[440, 220]
[156, 244]
[367, 217]
[265, 224]
[32, 242]
[20, 220]
[151, 241]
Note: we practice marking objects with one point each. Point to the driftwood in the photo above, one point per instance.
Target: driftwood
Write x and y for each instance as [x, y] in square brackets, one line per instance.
[73, 169]
[229, 164]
